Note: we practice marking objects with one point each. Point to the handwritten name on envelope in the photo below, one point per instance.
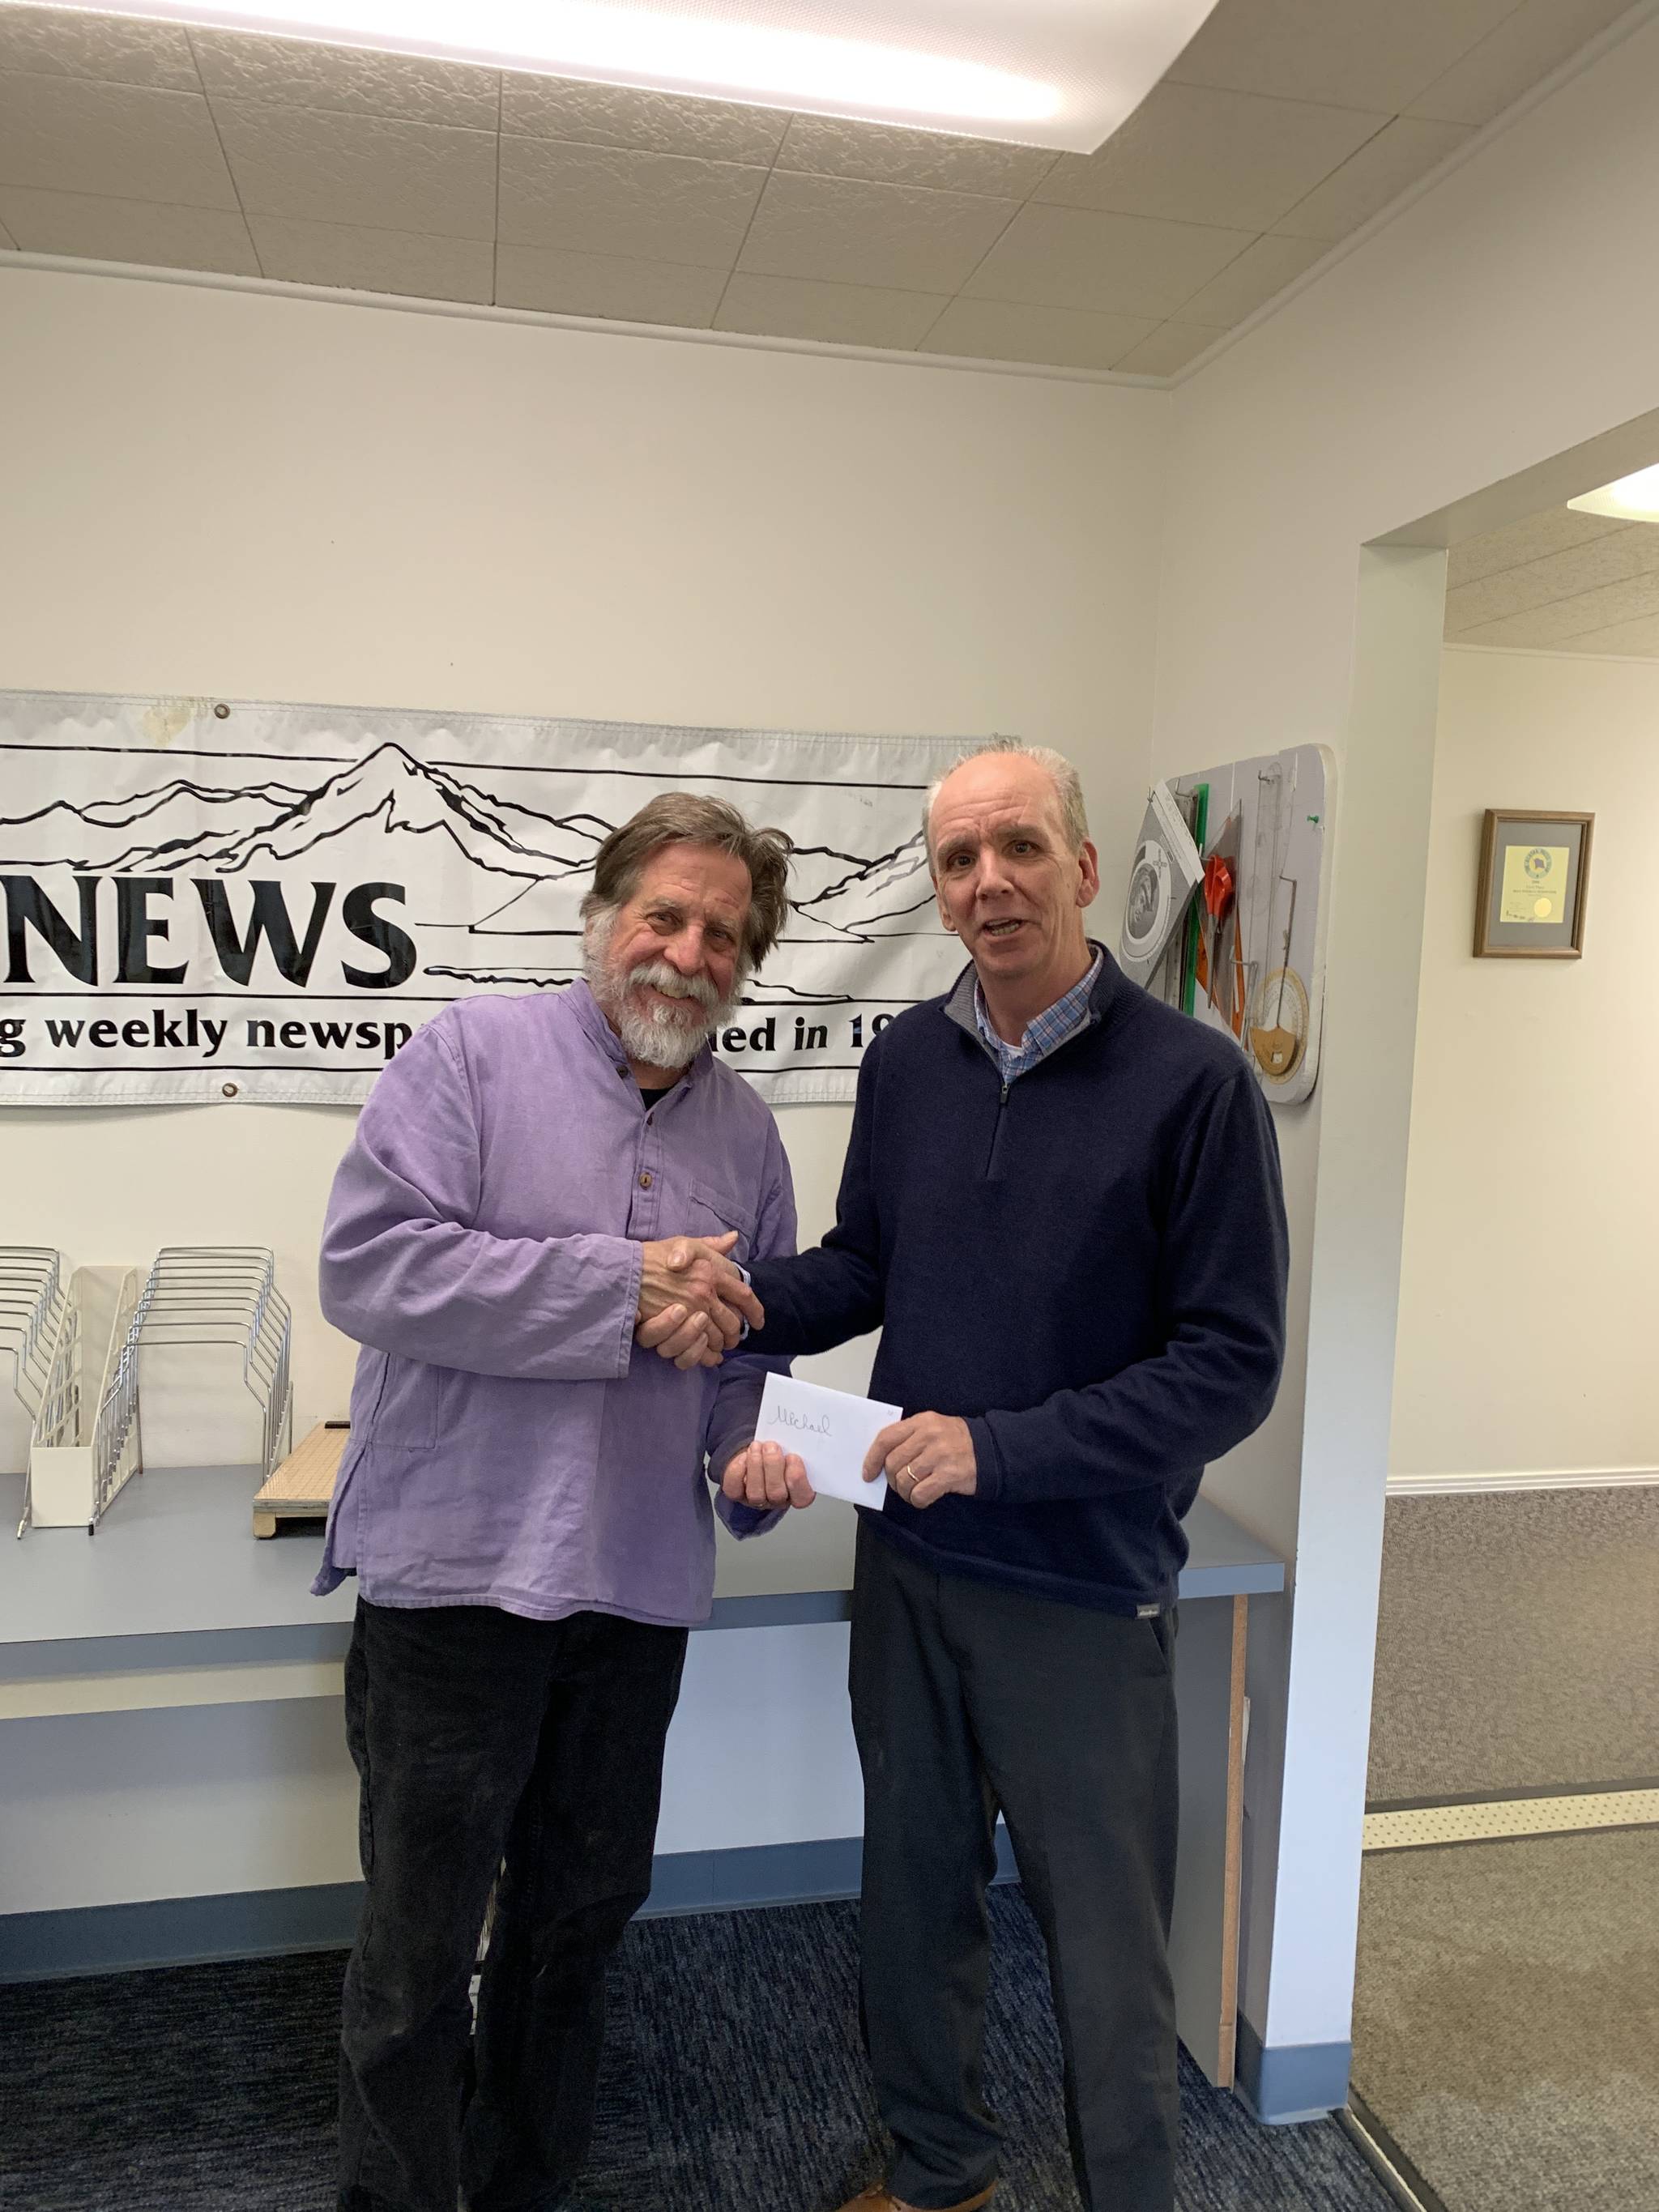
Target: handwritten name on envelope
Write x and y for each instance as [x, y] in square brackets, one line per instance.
[831, 1430]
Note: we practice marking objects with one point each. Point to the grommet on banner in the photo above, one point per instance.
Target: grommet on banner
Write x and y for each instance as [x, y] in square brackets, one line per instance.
[229, 1088]
[222, 712]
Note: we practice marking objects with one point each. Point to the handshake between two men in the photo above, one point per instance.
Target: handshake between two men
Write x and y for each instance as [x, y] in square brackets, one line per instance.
[694, 1307]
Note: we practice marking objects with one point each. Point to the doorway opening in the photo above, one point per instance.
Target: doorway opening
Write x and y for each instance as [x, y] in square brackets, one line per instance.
[1506, 2020]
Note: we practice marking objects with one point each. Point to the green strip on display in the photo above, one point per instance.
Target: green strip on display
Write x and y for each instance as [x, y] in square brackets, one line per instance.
[1189, 939]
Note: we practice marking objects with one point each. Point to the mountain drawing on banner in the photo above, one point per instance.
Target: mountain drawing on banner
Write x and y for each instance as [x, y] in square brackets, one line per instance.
[506, 879]
[389, 789]
[835, 898]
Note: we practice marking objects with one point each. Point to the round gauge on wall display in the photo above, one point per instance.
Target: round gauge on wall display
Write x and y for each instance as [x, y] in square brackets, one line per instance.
[1146, 910]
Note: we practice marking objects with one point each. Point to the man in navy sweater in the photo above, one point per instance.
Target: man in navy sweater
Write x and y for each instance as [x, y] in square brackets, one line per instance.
[1061, 1206]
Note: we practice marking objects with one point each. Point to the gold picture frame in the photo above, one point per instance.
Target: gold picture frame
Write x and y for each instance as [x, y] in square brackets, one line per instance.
[1535, 881]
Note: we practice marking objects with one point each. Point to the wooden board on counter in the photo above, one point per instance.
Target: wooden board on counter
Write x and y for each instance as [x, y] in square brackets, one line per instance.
[303, 1484]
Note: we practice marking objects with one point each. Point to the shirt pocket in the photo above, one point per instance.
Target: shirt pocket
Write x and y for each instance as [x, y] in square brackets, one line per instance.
[407, 1416]
[712, 1212]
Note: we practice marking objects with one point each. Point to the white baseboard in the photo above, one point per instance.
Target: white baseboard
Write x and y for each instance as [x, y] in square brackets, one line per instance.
[1546, 1478]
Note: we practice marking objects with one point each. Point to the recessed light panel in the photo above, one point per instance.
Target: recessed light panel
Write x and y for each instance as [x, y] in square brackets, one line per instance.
[1632, 499]
[1060, 73]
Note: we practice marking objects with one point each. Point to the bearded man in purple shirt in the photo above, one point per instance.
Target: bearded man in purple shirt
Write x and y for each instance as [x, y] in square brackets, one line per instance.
[524, 1502]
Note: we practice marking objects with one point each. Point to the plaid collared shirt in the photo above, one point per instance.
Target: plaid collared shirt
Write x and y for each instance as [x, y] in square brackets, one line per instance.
[1048, 1029]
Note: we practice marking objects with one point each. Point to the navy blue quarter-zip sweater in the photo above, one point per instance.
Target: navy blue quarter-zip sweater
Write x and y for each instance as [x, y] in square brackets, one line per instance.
[1088, 1264]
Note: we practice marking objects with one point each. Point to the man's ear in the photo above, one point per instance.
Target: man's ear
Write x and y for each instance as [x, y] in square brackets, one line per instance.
[1088, 880]
[944, 911]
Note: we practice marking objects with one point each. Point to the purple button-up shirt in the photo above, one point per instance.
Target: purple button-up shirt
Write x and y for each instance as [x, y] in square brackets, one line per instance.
[510, 1443]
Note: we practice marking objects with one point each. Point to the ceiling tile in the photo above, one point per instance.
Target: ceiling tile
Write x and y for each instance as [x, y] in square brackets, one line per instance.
[141, 231]
[1265, 267]
[1195, 154]
[1632, 551]
[238, 65]
[1489, 599]
[841, 232]
[1514, 629]
[363, 259]
[835, 314]
[1170, 347]
[369, 169]
[606, 284]
[66, 134]
[882, 154]
[1551, 532]
[1572, 617]
[1355, 53]
[645, 207]
[1510, 60]
[1408, 149]
[1640, 637]
[1122, 265]
[648, 122]
[116, 48]
[1053, 338]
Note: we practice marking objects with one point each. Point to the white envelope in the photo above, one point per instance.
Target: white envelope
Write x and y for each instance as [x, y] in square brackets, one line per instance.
[830, 1431]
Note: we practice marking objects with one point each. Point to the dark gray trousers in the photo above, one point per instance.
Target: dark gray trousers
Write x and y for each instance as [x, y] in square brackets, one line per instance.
[487, 1742]
[969, 1698]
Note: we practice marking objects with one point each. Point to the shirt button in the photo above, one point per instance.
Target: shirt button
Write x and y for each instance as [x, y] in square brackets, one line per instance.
[645, 1182]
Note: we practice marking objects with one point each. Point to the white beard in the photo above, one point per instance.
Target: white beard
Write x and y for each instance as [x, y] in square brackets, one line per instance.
[652, 1035]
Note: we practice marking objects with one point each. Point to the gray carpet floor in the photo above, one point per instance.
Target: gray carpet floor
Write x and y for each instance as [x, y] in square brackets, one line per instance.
[1517, 1643]
[1506, 2029]
[734, 2082]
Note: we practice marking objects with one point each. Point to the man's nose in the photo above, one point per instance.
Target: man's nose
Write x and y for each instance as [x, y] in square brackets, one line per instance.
[990, 874]
[683, 951]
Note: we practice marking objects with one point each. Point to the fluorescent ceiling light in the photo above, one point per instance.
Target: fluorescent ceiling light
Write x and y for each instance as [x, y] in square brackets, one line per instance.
[1632, 499]
[1059, 73]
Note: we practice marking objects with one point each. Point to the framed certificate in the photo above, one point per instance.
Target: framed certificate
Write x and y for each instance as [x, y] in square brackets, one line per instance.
[1535, 872]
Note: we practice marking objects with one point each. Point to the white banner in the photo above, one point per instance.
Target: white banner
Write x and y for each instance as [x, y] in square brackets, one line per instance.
[225, 901]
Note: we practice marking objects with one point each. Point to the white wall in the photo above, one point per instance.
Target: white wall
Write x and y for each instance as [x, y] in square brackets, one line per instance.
[223, 493]
[1494, 323]
[1527, 1297]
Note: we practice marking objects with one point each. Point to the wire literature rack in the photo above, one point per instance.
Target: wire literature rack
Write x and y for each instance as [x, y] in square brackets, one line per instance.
[77, 1350]
[201, 1295]
[84, 1443]
[31, 1311]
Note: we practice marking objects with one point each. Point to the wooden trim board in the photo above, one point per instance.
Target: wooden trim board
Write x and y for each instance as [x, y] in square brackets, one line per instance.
[302, 1486]
[1233, 1868]
[1209, 1667]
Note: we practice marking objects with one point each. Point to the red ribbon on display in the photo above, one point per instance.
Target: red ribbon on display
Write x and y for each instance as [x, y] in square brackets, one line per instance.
[1220, 886]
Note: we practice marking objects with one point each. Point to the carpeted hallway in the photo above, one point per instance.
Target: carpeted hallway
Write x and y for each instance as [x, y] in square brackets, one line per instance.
[1517, 1644]
[1506, 2030]
[734, 2082]
[1506, 2017]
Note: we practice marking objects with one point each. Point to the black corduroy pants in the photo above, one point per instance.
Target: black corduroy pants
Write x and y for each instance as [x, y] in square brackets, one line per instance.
[969, 1698]
[485, 1741]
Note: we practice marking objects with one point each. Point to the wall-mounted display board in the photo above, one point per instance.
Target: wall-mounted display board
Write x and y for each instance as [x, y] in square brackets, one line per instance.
[218, 900]
[1226, 908]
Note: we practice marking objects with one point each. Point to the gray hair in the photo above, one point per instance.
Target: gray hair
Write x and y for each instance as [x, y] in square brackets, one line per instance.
[1068, 788]
[682, 817]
